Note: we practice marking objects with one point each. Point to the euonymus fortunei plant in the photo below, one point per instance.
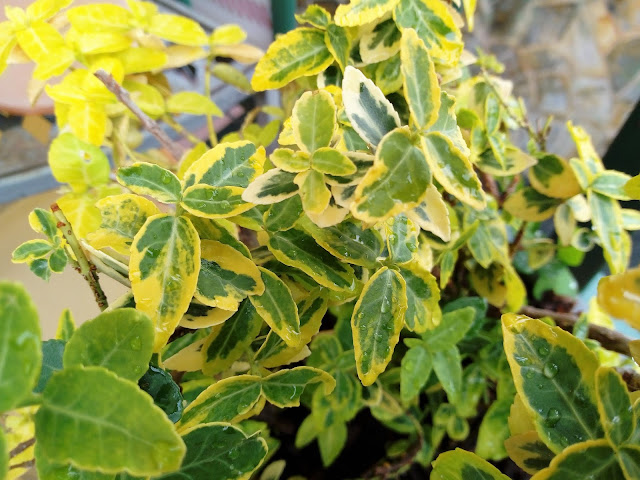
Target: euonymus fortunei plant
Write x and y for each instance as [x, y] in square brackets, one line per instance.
[387, 255]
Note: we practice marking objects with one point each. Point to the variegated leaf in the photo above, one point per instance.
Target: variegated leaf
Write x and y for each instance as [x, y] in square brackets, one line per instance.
[397, 181]
[276, 306]
[370, 113]
[226, 276]
[163, 269]
[300, 52]
[377, 321]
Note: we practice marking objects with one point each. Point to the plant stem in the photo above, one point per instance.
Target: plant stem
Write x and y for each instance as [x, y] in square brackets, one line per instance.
[523, 122]
[174, 149]
[515, 246]
[490, 185]
[21, 447]
[27, 464]
[609, 339]
[87, 270]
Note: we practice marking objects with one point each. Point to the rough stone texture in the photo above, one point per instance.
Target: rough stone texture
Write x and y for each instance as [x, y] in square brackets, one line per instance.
[577, 60]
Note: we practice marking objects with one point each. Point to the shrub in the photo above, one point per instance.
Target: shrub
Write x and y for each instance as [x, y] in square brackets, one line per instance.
[389, 255]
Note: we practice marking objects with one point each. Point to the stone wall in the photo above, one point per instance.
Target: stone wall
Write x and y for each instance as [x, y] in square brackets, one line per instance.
[573, 59]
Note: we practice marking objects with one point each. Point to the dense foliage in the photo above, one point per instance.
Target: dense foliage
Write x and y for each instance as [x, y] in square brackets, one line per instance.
[380, 258]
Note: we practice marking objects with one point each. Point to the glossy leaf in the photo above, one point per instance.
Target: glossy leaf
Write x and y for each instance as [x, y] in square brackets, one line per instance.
[348, 241]
[614, 405]
[464, 465]
[397, 181]
[227, 400]
[285, 387]
[164, 267]
[20, 354]
[214, 202]
[415, 371]
[277, 308]
[313, 120]
[606, 217]
[377, 321]
[298, 249]
[527, 204]
[30, 250]
[120, 341]
[452, 169]
[226, 276]
[581, 461]
[370, 113]
[231, 164]
[332, 162]
[542, 355]
[272, 187]
[360, 12]
[275, 352]
[290, 161]
[300, 52]
[338, 42]
[152, 180]
[552, 176]
[122, 217]
[228, 341]
[528, 451]
[629, 460]
[434, 25]
[314, 15]
[423, 295]
[219, 451]
[111, 419]
[381, 43]
[432, 214]
[420, 81]
[314, 193]
[165, 392]
[283, 215]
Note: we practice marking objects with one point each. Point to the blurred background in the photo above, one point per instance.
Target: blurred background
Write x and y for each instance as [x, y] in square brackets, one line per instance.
[573, 59]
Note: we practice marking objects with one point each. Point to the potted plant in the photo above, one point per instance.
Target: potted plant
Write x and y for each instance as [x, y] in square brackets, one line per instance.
[385, 263]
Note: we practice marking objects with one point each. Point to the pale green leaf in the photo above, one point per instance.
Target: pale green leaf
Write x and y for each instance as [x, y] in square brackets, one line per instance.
[20, 354]
[120, 341]
[107, 423]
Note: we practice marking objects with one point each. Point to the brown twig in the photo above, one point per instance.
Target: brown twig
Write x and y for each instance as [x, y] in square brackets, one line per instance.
[609, 339]
[27, 464]
[509, 190]
[173, 148]
[515, 246]
[490, 185]
[86, 269]
[21, 447]
[631, 378]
